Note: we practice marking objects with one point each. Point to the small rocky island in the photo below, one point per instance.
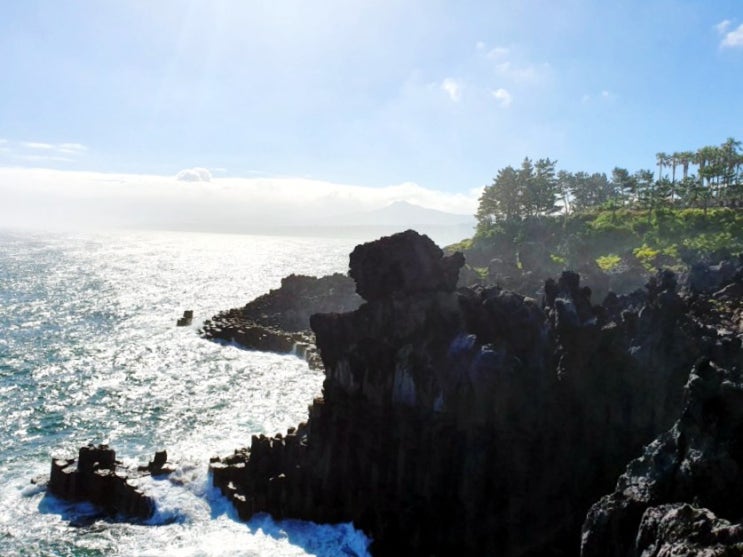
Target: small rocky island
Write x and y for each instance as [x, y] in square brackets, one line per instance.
[96, 476]
[477, 421]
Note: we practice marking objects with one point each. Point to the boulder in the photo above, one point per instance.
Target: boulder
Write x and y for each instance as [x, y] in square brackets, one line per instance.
[403, 264]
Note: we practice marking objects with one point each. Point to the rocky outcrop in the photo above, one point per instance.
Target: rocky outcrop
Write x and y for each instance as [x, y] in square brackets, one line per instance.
[699, 461]
[280, 320]
[677, 497]
[97, 477]
[186, 320]
[402, 264]
[472, 421]
[682, 529]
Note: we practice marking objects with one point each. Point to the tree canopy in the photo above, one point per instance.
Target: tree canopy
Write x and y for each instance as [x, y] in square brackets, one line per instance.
[537, 188]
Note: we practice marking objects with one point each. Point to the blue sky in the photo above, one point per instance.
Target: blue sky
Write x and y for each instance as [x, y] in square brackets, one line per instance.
[373, 93]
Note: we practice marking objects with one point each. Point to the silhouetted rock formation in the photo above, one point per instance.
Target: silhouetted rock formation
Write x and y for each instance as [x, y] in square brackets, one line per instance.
[280, 320]
[472, 422]
[96, 477]
[186, 320]
[402, 264]
[679, 496]
[699, 461]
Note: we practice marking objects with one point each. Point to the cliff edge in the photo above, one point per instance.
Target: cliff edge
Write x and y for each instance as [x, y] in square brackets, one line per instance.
[472, 421]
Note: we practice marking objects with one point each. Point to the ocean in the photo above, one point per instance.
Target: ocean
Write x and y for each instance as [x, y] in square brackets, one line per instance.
[89, 353]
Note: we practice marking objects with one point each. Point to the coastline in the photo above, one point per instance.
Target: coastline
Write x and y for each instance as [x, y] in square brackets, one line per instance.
[430, 391]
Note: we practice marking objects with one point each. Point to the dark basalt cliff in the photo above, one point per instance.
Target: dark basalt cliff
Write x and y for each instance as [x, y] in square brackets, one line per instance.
[679, 496]
[475, 421]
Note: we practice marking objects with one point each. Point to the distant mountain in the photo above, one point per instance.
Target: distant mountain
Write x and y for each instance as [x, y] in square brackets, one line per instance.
[403, 214]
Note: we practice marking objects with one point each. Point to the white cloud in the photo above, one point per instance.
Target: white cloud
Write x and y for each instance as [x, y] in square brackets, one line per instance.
[453, 88]
[71, 148]
[511, 64]
[50, 198]
[43, 158]
[503, 97]
[38, 151]
[37, 145]
[479, 45]
[195, 174]
[733, 38]
[723, 26]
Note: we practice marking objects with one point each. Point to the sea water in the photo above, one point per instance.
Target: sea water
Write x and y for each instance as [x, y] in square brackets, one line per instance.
[89, 353]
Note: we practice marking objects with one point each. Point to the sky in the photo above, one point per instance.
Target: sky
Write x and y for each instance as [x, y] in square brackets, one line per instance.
[369, 102]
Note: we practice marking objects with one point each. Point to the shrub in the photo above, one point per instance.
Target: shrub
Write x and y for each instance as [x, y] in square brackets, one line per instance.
[647, 256]
[608, 263]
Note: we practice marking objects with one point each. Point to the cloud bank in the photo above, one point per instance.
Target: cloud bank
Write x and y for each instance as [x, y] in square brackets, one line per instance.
[44, 198]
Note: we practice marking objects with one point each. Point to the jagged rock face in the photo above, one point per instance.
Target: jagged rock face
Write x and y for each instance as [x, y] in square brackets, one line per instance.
[699, 460]
[475, 422]
[682, 529]
[403, 264]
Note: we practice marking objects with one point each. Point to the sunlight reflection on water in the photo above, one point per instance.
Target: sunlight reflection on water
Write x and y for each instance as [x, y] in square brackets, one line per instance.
[90, 353]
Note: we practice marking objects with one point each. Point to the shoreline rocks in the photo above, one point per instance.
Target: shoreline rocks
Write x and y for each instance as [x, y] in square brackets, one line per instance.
[96, 476]
[280, 320]
[474, 421]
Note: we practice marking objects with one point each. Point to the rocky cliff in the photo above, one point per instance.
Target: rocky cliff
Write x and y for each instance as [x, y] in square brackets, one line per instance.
[279, 321]
[473, 421]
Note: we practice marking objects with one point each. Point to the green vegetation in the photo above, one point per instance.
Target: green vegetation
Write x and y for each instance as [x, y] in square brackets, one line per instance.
[615, 239]
[637, 218]
[608, 263]
[538, 189]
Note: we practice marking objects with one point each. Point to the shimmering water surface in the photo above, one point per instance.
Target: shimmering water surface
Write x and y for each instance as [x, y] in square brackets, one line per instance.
[89, 352]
